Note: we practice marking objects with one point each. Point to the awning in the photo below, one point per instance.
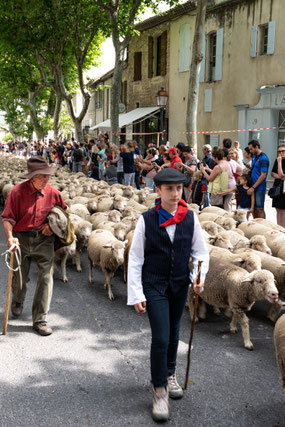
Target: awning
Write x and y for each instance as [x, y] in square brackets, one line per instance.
[126, 119]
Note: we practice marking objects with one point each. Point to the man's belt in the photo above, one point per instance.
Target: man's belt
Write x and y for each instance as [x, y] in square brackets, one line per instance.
[31, 233]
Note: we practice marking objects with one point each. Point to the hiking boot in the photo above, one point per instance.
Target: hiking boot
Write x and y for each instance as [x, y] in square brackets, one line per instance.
[42, 328]
[175, 391]
[160, 410]
[16, 309]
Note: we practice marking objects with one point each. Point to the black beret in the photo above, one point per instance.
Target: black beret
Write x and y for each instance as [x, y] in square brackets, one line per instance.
[169, 176]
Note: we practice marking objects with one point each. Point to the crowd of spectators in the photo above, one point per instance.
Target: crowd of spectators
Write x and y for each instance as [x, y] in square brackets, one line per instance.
[215, 179]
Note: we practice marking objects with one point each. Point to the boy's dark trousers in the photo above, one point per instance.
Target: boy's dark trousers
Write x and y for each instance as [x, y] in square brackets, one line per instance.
[164, 312]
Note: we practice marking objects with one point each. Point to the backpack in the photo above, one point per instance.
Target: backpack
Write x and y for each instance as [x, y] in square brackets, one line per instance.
[77, 155]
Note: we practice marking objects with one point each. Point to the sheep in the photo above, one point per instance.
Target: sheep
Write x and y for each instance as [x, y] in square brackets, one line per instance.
[62, 254]
[269, 224]
[120, 230]
[279, 341]
[236, 239]
[128, 192]
[82, 230]
[230, 286]
[105, 203]
[239, 215]
[80, 199]
[258, 243]
[107, 252]
[221, 242]
[127, 211]
[248, 261]
[208, 216]
[6, 190]
[211, 227]
[277, 267]
[137, 206]
[97, 218]
[276, 242]
[114, 216]
[79, 210]
[214, 210]
[226, 222]
[92, 205]
[120, 203]
[131, 222]
[252, 228]
[129, 238]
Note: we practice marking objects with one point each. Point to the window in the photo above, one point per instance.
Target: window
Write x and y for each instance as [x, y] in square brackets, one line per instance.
[107, 103]
[212, 63]
[137, 66]
[281, 124]
[212, 56]
[262, 39]
[124, 92]
[157, 55]
[99, 98]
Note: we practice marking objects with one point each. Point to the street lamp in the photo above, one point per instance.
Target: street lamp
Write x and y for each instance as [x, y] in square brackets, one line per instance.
[161, 101]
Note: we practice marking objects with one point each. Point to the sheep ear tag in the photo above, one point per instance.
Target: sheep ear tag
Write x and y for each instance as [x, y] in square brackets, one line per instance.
[109, 245]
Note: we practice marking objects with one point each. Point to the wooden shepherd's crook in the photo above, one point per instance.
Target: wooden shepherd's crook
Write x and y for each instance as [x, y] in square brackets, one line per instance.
[10, 277]
[192, 328]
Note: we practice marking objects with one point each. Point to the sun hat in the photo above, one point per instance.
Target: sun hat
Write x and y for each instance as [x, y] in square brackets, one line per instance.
[38, 166]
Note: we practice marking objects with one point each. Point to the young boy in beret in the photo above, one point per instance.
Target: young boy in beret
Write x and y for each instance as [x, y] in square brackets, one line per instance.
[158, 279]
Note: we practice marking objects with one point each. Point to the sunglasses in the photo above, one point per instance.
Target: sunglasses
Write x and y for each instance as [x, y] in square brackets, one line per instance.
[281, 151]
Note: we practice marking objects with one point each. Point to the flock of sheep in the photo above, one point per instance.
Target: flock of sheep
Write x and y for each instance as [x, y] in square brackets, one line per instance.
[247, 258]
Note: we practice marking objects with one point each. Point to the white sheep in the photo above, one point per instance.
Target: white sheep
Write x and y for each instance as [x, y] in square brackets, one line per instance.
[120, 202]
[251, 228]
[230, 286]
[279, 341]
[114, 216]
[104, 204]
[92, 205]
[226, 222]
[237, 240]
[211, 227]
[79, 210]
[258, 243]
[97, 218]
[220, 241]
[62, 254]
[83, 231]
[269, 224]
[276, 242]
[248, 261]
[107, 252]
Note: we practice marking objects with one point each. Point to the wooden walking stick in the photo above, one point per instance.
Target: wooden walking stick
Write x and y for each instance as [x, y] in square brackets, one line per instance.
[10, 277]
[192, 328]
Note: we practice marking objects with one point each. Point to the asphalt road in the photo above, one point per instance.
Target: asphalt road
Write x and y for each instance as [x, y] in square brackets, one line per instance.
[94, 369]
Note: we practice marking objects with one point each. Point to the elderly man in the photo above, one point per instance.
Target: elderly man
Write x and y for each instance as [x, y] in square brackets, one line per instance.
[25, 223]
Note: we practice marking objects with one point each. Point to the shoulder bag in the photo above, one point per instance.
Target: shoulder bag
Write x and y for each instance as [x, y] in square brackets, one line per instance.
[217, 199]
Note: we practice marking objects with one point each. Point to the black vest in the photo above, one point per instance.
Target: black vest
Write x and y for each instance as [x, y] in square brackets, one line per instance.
[166, 264]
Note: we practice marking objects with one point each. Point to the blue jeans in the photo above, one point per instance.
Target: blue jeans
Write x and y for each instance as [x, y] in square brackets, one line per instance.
[259, 199]
[164, 313]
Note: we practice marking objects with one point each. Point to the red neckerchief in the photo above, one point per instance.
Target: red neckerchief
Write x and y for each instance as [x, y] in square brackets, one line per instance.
[180, 213]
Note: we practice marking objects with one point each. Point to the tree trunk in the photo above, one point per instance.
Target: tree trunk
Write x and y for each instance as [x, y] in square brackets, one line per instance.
[193, 89]
[56, 116]
[115, 91]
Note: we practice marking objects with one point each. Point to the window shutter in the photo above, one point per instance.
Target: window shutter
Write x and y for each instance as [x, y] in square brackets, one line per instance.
[214, 140]
[253, 42]
[163, 53]
[219, 55]
[208, 100]
[137, 66]
[271, 37]
[150, 57]
[203, 63]
[184, 48]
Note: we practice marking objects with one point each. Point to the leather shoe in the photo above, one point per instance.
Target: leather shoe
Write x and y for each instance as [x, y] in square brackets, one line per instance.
[42, 328]
[16, 309]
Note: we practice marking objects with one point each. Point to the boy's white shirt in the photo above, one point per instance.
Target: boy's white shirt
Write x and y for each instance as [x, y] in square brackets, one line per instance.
[136, 257]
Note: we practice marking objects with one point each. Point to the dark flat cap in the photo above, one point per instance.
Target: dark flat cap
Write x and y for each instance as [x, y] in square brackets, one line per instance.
[169, 176]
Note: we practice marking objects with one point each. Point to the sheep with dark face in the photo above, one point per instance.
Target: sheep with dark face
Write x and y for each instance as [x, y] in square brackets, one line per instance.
[230, 286]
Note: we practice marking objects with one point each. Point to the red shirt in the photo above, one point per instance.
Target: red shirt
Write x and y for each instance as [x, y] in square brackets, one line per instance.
[175, 159]
[27, 208]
